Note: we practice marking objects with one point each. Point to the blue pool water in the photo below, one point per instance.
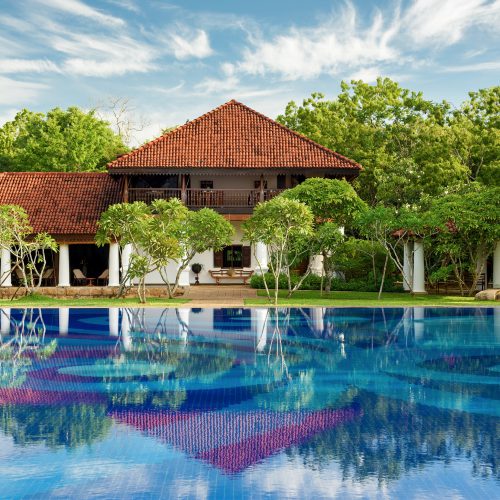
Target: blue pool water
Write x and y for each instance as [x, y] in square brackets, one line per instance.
[250, 403]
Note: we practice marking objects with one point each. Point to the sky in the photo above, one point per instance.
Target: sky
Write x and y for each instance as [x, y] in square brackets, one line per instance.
[175, 60]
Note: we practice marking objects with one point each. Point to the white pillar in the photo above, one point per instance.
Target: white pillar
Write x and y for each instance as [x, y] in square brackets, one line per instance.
[126, 254]
[317, 319]
[5, 321]
[63, 321]
[5, 274]
[496, 266]
[418, 324]
[261, 316]
[183, 319]
[407, 265]
[418, 267]
[262, 258]
[126, 338]
[316, 265]
[114, 326]
[114, 265]
[64, 271]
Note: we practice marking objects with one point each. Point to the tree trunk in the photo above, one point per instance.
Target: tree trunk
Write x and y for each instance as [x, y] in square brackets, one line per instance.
[383, 277]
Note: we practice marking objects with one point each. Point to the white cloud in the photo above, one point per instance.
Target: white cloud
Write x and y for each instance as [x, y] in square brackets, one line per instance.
[19, 92]
[187, 44]
[77, 8]
[445, 22]
[338, 43]
[484, 66]
[27, 66]
[368, 75]
[216, 85]
[125, 4]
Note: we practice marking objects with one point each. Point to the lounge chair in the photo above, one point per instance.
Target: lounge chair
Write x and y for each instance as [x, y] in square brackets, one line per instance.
[79, 278]
[48, 277]
[103, 277]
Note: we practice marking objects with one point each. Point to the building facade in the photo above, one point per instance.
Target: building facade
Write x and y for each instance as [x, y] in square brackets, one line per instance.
[228, 159]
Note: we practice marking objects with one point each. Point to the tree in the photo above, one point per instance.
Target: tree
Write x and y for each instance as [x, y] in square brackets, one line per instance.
[334, 204]
[201, 230]
[467, 229]
[401, 139]
[27, 250]
[150, 230]
[278, 224]
[391, 228]
[67, 141]
[162, 233]
[476, 133]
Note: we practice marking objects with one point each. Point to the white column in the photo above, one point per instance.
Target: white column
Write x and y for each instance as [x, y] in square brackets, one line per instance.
[407, 265]
[126, 338]
[418, 267]
[316, 265]
[126, 254]
[418, 324]
[114, 265]
[496, 266]
[63, 321]
[183, 319]
[64, 271]
[5, 274]
[5, 321]
[262, 258]
[114, 325]
[261, 316]
[317, 319]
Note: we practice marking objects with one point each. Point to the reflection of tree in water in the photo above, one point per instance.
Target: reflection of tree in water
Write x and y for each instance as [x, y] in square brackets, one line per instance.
[26, 341]
[392, 438]
[69, 426]
[205, 361]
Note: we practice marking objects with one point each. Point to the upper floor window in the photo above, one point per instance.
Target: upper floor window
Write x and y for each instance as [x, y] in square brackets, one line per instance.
[206, 184]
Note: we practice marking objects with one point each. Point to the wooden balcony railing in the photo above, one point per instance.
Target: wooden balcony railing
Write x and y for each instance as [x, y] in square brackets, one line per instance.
[212, 198]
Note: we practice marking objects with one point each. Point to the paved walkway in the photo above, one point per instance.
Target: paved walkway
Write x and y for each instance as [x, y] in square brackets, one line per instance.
[219, 295]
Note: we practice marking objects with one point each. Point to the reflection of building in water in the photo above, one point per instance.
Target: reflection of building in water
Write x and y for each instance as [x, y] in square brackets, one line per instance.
[4, 321]
[261, 325]
[235, 440]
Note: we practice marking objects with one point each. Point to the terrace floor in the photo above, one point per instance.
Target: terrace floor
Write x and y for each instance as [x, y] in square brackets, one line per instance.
[219, 295]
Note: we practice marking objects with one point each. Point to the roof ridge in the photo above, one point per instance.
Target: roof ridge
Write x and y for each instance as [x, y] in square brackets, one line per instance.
[172, 132]
[294, 132]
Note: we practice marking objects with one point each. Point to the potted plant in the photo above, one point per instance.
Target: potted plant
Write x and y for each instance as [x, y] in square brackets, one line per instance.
[196, 268]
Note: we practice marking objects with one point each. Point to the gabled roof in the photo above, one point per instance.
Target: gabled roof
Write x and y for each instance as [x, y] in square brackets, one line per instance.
[233, 136]
[60, 202]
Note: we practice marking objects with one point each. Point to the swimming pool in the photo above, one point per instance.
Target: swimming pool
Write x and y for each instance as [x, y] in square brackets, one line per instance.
[235, 403]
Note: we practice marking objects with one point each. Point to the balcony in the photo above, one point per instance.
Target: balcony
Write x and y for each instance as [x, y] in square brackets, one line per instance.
[221, 200]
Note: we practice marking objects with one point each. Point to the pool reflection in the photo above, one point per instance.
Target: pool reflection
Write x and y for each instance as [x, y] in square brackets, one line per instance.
[380, 392]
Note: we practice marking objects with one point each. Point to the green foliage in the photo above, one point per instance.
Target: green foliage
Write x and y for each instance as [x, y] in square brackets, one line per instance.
[410, 148]
[467, 229]
[328, 199]
[28, 250]
[281, 224]
[71, 140]
[313, 282]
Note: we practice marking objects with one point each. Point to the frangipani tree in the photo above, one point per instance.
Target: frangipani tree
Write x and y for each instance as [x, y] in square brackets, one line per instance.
[278, 224]
[27, 250]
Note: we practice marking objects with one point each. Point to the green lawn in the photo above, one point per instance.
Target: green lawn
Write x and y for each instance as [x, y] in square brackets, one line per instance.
[356, 299]
[41, 301]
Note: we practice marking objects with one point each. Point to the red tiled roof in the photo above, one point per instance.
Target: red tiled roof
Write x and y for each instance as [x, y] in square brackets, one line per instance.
[59, 202]
[233, 136]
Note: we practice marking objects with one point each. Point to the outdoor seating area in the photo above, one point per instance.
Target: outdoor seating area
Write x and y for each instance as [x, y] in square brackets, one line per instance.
[219, 274]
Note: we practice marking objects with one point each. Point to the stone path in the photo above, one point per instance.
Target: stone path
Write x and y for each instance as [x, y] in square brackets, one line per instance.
[219, 295]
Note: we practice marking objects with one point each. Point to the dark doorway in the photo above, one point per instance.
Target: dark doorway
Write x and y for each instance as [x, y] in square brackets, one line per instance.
[90, 259]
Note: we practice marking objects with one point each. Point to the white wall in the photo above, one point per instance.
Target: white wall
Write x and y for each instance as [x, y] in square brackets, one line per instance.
[206, 259]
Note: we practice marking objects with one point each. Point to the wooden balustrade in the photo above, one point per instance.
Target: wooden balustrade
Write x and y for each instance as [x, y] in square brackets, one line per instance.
[212, 198]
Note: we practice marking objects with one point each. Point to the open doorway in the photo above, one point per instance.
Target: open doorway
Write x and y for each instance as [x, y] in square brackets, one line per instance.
[90, 259]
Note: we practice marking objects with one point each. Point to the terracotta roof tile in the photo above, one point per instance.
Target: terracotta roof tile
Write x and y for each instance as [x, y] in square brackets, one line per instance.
[233, 136]
[61, 203]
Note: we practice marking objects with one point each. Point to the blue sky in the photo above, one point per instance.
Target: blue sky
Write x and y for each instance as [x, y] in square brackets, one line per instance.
[177, 60]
